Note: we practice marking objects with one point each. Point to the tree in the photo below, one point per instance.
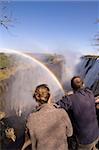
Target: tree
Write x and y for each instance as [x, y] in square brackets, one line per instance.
[6, 19]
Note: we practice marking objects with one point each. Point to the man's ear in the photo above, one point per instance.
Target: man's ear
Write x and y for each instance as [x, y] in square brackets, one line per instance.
[83, 85]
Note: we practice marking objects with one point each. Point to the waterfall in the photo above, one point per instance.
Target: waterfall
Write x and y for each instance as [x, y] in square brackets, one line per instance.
[88, 69]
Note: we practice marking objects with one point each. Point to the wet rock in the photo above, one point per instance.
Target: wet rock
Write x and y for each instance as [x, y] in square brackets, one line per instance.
[89, 70]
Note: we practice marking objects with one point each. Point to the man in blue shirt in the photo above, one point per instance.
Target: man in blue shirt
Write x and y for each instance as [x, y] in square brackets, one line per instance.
[82, 105]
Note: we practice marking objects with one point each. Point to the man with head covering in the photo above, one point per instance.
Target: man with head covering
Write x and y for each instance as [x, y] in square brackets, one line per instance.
[49, 126]
[82, 105]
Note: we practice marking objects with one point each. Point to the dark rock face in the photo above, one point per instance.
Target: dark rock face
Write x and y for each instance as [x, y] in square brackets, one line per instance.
[89, 70]
[19, 128]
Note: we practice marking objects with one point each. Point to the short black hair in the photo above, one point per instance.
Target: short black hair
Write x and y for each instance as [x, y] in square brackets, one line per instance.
[76, 85]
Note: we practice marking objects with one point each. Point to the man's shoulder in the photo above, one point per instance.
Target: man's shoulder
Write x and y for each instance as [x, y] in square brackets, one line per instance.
[61, 111]
[88, 91]
[58, 108]
[55, 105]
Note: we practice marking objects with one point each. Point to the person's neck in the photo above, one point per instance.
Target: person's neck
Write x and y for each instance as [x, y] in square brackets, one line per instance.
[40, 104]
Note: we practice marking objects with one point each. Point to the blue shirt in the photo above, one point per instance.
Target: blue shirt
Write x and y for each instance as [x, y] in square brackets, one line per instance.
[82, 104]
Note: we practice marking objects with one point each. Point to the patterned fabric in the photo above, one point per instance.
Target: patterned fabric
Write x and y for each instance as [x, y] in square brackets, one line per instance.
[49, 128]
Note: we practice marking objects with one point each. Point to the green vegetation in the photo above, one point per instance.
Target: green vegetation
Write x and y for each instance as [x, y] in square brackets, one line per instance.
[4, 61]
[6, 66]
[4, 75]
[9, 64]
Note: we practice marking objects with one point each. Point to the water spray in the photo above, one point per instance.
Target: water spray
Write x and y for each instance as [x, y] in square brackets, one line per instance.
[38, 62]
[17, 105]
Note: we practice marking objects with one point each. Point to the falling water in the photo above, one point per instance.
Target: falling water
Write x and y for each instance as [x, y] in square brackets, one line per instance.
[30, 73]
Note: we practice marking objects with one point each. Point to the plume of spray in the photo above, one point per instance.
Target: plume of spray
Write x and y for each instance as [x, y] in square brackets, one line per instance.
[72, 60]
[30, 74]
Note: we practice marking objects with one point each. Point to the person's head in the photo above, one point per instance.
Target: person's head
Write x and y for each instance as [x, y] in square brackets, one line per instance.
[42, 94]
[76, 83]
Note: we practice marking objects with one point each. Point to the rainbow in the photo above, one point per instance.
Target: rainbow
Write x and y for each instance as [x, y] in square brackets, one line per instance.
[38, 62]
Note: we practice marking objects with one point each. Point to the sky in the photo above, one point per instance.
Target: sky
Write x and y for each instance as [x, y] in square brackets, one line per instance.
[51, 26]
